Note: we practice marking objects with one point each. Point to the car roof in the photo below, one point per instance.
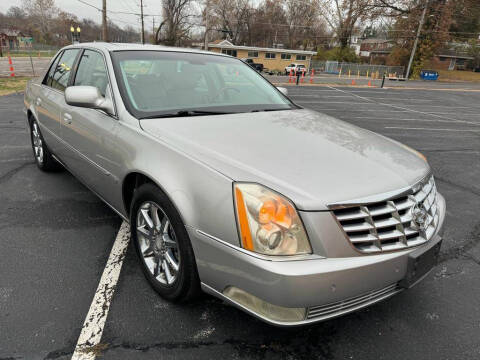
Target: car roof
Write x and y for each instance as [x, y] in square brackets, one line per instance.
[129, 46]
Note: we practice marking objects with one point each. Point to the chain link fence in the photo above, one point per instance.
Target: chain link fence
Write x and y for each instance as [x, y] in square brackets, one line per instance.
[36, 50]
[26, 61]
[353, 69]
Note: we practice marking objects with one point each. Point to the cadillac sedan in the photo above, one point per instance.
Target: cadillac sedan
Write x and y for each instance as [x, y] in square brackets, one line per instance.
[230, 187]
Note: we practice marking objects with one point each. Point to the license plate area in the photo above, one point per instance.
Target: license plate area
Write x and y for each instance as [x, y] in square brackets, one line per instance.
[420, 262]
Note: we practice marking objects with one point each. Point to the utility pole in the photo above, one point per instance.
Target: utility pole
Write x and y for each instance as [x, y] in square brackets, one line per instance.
[415, 44]
[141, 15]
[205, 45]
[104, 21]
[153, 29]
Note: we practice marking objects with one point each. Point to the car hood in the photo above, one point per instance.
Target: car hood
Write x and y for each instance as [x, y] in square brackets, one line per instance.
[312, 158]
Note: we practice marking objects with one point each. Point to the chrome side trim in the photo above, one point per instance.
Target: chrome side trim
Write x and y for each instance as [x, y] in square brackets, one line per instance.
[260, 256]
[89, 188]
[103, 170]
[353, 303]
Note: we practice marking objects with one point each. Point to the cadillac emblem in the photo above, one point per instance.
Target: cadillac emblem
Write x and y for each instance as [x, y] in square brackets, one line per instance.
[419, 217]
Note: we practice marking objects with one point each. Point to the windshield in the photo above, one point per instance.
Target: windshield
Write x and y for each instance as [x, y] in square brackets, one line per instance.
[161, 83]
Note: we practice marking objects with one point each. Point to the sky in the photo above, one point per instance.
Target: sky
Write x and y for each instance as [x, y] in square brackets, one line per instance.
[84, 11]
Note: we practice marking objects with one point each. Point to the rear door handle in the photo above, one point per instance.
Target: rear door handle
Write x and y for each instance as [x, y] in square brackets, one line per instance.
[38, 102]
[67, 118]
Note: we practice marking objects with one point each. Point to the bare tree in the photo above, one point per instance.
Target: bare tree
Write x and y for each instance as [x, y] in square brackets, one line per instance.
[232, 18]
[344, 15]
[395, 7]
[303, 22]
[177, 23]
[16, 12]
[41, 14]
[269, 24]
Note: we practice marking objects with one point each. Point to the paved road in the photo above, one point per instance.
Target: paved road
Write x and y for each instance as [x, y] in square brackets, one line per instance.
[56, 236]
[24, 66]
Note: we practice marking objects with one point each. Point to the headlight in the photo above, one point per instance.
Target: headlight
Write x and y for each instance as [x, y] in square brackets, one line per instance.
[268, 222]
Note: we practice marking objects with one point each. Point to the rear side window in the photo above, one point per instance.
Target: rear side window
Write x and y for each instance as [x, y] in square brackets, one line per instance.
[48, 79]
[92, 71]
[63, 69]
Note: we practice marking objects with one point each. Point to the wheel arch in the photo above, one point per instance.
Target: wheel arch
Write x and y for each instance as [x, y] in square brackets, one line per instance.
[135, 179]
[30, 117]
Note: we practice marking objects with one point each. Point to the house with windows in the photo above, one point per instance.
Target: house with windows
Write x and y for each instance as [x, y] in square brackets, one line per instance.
[271, 58]
[14, 39]
[453, 57]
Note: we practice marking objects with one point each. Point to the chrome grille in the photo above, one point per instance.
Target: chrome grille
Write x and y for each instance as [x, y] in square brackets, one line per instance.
[393, 224]
[351, 304]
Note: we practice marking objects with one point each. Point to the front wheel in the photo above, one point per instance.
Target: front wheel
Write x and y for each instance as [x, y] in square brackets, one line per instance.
[163, 245]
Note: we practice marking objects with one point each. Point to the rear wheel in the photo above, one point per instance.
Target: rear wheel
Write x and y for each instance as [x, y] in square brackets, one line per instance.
[43, 156]
[163, 245]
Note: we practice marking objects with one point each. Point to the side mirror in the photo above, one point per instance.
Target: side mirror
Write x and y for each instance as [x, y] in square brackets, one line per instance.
[283, 90]
[88, 97]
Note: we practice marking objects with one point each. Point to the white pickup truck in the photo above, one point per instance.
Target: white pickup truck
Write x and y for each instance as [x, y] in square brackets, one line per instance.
[295, 68]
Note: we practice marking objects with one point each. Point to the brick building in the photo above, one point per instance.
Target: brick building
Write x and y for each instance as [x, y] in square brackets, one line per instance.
[271, 58]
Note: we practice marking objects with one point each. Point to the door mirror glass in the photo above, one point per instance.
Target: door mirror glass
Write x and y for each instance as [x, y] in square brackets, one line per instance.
[283, 90]
[88, 97]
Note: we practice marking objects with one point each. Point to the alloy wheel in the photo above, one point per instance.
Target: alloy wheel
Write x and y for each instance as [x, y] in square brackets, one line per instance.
[37, 143]
[158, 243]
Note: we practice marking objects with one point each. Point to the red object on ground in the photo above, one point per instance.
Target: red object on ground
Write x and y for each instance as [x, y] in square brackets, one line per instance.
[312, 74]
[290, 76]
[12, 71]
[303, 77]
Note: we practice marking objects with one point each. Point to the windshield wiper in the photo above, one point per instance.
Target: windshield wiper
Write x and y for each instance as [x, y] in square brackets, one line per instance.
[183, 113]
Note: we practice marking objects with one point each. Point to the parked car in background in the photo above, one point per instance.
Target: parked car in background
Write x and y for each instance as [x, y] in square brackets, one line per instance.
[295, 68]
[256, 66]
[286, 213]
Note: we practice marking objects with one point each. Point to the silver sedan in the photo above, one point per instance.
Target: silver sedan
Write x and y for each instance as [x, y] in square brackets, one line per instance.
[230, 187]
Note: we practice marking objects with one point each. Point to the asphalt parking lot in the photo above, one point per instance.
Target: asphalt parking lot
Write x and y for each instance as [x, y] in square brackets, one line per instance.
[56, 237]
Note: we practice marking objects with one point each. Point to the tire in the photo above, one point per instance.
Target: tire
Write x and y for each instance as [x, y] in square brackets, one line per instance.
[41, 153]
[154, 245]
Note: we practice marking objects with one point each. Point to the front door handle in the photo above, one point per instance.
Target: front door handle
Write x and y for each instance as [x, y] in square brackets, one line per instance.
[67, 118]
[38, 102]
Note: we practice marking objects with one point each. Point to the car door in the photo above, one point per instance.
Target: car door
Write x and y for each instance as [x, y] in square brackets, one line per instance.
[92, 153]
[51, 99]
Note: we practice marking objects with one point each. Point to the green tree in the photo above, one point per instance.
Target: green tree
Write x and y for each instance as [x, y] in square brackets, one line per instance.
[474, 51]
[338, 54]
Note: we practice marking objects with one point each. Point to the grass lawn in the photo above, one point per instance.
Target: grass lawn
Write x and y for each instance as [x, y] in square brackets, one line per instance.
[12, 85]
[457, 75]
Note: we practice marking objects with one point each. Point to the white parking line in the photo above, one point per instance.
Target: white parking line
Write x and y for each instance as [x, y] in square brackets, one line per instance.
[424, 120]
[434, 114]
[400, 99]
[92, 329]
[334, 102]
[430, 129]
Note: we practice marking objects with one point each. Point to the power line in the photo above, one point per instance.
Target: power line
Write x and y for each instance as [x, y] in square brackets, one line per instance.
[117, 12]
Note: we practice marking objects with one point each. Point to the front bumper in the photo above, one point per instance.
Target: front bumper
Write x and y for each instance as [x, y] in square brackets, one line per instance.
[326, 287]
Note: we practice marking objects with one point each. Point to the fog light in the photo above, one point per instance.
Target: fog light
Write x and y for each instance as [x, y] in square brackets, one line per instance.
[263, 308]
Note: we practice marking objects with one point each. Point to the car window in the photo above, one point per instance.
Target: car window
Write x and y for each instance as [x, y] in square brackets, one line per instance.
[64, 69]
[48, 78]
[156, 82]
[92, 71]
